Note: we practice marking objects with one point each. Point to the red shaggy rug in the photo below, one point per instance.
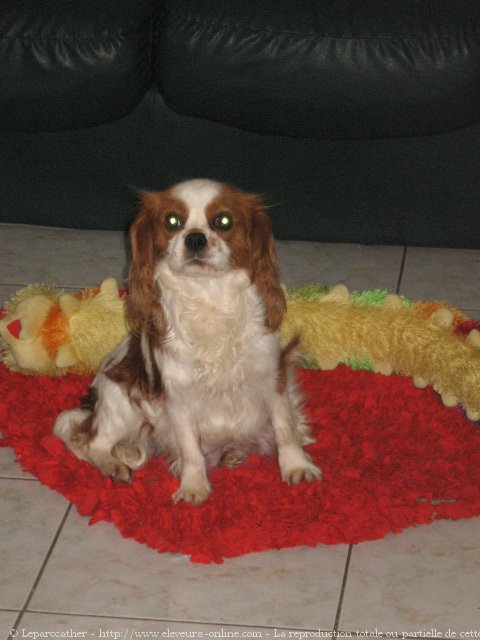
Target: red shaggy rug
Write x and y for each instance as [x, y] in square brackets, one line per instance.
[392, 457]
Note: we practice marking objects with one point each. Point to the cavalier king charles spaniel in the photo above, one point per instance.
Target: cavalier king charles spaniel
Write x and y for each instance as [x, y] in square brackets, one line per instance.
[202, 378]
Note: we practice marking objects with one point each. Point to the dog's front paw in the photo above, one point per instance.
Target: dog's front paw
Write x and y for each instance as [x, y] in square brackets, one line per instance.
[308, 472]
[195, 492]
[296, 466]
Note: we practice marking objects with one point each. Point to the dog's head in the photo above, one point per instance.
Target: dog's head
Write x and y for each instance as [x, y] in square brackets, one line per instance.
[202, 228]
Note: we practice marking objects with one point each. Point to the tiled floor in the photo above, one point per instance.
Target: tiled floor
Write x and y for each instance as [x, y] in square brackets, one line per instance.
[61, 578]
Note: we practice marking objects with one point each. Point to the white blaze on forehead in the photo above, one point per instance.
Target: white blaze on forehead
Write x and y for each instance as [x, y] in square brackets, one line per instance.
[197, 195]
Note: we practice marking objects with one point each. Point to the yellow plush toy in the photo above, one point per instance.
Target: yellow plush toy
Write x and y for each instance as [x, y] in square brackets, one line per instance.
[389, 334]
[47, 332]
[50, 333]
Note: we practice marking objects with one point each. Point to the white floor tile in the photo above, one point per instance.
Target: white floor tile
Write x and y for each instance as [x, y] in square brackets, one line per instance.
[359, 267]
[451, 275]
[31, 515]
[131, 629]
[473, 314]
[61, 257]
[9, 467]
[94, 571]
[424, 578]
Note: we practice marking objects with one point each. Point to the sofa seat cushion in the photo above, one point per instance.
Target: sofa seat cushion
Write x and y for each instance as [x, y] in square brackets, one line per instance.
[328, 69]
[67, 65]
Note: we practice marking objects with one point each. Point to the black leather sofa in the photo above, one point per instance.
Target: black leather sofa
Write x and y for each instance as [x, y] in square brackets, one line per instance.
[359, 121]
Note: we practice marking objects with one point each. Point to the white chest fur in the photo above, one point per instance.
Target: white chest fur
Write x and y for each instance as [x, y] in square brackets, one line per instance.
[216, 330]
[218, 359]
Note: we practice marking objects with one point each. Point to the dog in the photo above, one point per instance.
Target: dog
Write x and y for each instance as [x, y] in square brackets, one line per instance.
[201, 379]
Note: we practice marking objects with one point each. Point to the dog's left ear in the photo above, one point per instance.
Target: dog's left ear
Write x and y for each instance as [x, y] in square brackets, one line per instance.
[264, 266]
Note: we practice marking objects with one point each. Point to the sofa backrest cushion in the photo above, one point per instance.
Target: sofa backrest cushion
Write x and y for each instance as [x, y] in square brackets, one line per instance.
[328, 69]
[70, 64]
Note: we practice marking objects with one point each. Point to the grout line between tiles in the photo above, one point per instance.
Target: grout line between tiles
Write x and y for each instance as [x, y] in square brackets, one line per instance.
[342, 589]
[402, 268]
[40, 572]
[6, 610]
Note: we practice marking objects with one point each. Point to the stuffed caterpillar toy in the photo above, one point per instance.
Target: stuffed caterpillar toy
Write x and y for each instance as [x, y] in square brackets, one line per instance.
[47, 332]
[431, 342]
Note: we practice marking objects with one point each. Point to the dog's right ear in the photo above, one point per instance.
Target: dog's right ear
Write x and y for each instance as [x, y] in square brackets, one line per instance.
[143, 301]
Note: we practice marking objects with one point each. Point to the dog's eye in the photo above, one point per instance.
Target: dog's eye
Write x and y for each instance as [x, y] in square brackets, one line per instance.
[223, 221]
[173, 222]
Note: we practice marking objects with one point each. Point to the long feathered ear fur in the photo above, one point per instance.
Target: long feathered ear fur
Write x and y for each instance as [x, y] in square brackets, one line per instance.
[265, 272]
[144, 310]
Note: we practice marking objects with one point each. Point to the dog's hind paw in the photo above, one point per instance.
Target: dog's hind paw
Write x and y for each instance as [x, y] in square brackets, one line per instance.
[117, 471]
[128, 454]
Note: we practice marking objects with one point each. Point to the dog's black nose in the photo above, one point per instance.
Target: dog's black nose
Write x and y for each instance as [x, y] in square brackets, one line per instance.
[196, 241]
